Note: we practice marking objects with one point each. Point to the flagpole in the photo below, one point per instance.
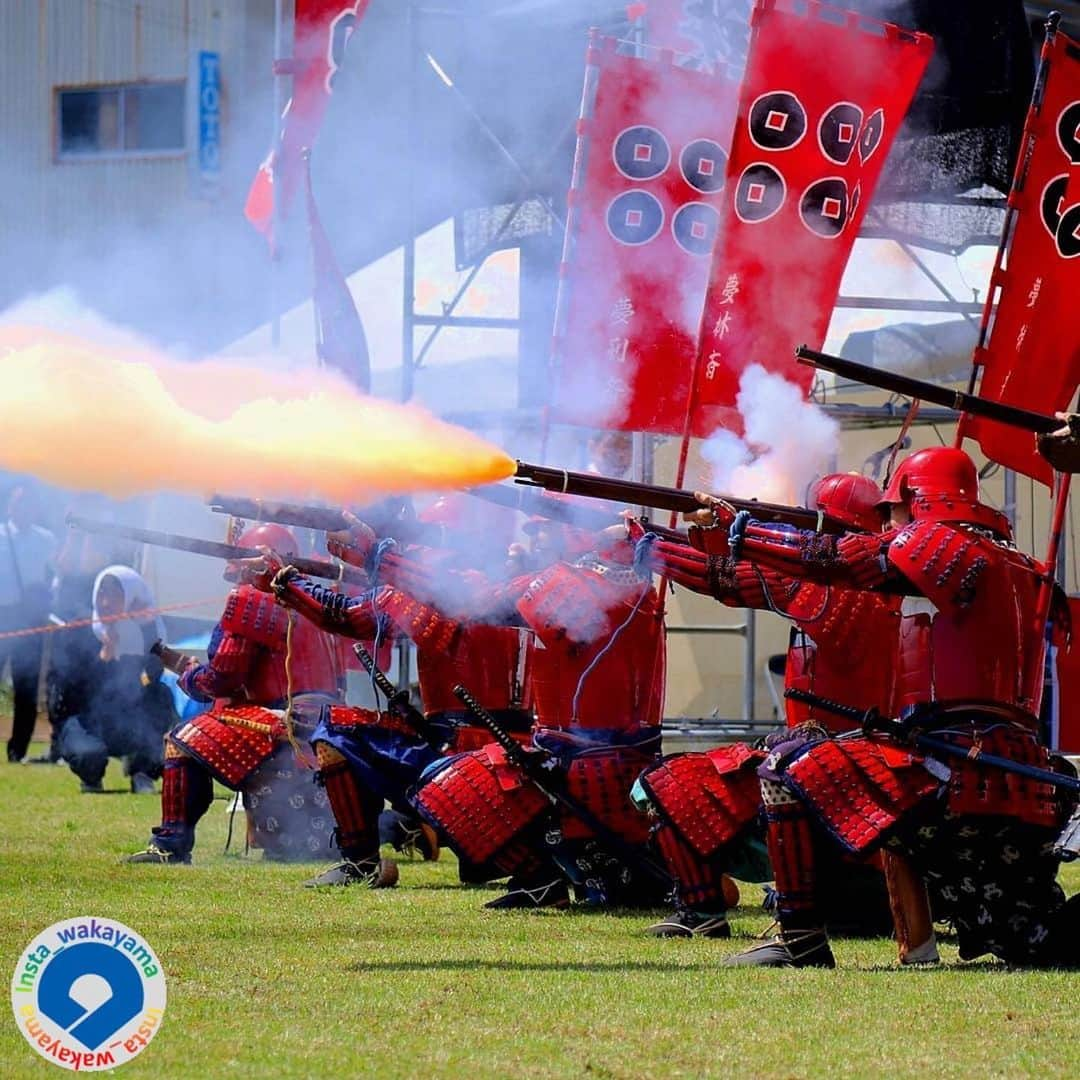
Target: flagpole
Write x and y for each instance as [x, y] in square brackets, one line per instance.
[275, 203]
[1023, 160]
[408, 286]
[1046, 587]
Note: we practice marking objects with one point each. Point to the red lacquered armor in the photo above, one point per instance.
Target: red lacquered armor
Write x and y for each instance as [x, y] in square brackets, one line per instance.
[576, 613]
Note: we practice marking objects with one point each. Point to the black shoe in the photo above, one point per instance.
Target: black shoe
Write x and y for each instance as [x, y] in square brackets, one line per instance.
[686, 923]
[796, 948]
[374, 873]
[92, 787]
[551, 893]
[43, 759]
[160, 856]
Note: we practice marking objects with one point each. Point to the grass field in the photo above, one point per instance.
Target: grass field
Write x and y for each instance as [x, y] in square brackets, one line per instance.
[266, 979]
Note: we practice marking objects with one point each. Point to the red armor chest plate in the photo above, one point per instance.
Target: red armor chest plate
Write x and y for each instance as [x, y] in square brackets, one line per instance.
[312, 663]
[625, 689]
[491, 662]
[982, 639]
[850, 656]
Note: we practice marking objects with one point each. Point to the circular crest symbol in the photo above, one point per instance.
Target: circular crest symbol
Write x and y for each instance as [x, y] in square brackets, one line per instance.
[88, 994]
[635, 217]
[641, 152]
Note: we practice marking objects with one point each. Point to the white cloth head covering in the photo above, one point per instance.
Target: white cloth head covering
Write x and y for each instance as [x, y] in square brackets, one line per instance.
[131, 635]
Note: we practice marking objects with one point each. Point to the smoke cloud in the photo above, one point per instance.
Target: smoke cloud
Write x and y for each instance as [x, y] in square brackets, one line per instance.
[788, 442]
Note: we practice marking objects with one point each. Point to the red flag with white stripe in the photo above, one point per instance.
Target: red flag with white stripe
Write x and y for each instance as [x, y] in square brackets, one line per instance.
[323, 28]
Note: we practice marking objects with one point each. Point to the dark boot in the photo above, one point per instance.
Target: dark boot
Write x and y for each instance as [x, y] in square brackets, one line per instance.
[685, 923]
[373, 872]
[791, 948]
[543, 890]
[160, 856]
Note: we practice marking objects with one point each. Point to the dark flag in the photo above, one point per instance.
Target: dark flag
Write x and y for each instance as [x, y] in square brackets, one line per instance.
[340, 341]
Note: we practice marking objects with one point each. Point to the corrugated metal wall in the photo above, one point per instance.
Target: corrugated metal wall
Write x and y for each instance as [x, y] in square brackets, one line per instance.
[51, 210]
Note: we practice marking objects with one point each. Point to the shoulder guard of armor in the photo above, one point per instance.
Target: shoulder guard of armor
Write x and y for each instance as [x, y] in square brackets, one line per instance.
[575, 601]
[256, 616]
[943, 562]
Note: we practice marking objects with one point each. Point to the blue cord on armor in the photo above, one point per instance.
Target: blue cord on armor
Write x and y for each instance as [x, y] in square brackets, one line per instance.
[737, 531]
[643, 553]
[600, 655]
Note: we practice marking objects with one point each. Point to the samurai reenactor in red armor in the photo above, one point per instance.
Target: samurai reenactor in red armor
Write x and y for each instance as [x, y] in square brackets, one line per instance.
[259, 663]
[367, 757]
[707, 806]
[598, 680]
[981, 836]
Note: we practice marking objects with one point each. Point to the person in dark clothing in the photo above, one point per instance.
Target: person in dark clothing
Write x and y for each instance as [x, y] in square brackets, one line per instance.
[26, 554]
[123, 708]
[74, 650]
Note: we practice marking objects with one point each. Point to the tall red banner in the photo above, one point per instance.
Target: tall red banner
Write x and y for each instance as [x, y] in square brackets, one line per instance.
[323, 28]
[823, 96]
[1029, 351]
[648, 178]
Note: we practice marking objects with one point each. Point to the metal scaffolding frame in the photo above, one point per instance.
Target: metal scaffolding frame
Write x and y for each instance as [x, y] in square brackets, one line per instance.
[850, 416]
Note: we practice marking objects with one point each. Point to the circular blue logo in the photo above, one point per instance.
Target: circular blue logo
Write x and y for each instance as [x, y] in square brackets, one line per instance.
[88, 994]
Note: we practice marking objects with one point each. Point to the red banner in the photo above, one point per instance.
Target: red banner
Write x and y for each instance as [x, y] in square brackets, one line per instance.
[323, 28]
[648, 178]
[823, 96]
[1029, 351]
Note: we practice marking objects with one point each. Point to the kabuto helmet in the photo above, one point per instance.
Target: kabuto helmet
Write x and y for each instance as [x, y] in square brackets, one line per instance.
[849, 498]
[941, 483]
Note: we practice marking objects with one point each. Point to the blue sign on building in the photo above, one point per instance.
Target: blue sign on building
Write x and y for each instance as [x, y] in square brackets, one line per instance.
[209, 118]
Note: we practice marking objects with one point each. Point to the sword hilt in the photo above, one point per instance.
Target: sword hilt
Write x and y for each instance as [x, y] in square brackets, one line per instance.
[390, 691]
[837, 708]
[500, 734]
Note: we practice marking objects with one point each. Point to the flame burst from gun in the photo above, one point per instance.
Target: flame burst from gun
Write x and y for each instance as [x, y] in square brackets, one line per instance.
[127, 420]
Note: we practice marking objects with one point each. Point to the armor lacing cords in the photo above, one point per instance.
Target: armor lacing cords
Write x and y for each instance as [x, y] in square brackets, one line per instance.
[290, 732]
[591, 666]
[774, 925]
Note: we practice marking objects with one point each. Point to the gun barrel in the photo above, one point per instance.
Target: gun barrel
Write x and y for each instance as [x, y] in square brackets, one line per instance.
[958, 400]
[534, 504]
[282, 513]
[214, 548]
[627, 492]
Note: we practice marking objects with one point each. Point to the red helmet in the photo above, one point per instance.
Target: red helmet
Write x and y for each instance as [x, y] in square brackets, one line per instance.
[943, 472]
[266, 534]
[849, 498]
[942, 484]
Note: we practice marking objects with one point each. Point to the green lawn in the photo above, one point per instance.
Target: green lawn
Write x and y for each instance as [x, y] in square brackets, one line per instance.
[266, 979]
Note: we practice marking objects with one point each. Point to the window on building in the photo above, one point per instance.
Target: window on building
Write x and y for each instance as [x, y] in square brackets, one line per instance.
[137, 119]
